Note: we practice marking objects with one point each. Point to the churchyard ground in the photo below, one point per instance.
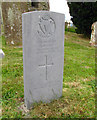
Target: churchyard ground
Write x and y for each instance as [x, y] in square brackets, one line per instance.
[78, 99]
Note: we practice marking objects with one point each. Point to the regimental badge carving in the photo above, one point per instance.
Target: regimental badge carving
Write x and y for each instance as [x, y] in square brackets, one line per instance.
[46, 26]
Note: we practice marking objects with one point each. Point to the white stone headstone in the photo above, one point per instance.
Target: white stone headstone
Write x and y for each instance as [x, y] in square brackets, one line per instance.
[43, 56]
[1, 54]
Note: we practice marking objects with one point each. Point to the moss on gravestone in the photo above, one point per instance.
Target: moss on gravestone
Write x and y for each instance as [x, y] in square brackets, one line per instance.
[12, 19]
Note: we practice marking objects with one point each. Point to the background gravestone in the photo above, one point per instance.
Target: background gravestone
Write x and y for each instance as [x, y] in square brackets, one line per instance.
[43, 56]
[96, 34]
[93, 40]
[12, 18]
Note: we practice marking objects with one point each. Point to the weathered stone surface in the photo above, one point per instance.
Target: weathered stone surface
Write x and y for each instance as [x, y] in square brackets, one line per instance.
[12, 19]
[93, 40]
[43, 56]
[0, 19]
[96, 34]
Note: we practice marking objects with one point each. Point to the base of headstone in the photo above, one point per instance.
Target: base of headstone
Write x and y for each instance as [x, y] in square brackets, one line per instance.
[24, 109]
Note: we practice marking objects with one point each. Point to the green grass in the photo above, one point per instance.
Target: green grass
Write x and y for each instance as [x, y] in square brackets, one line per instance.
[78, 99]
[70, 29]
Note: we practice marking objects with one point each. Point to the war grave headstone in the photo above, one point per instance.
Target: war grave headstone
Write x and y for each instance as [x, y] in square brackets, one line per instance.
[43, 56]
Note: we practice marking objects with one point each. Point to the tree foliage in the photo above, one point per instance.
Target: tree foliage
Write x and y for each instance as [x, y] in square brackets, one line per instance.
[84, 14]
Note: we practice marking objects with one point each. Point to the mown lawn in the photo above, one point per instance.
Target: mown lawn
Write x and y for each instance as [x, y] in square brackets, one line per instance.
[78, 99]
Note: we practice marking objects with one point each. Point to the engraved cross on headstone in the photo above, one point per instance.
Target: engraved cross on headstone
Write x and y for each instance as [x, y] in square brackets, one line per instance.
[46, 65]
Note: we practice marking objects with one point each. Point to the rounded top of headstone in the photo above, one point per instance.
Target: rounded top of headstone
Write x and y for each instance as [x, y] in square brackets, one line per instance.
[43, 11]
